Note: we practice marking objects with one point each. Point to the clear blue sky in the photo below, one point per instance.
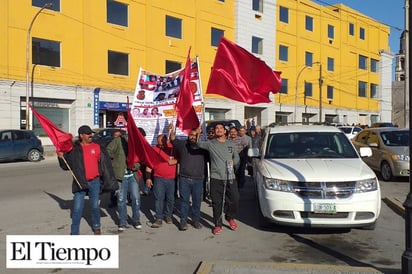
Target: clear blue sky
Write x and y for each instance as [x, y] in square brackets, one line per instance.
[388, 12]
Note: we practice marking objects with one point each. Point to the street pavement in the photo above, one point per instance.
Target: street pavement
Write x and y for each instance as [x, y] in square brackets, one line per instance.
[241, 267]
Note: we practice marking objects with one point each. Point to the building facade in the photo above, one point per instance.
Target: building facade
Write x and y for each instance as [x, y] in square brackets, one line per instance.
[78, 61]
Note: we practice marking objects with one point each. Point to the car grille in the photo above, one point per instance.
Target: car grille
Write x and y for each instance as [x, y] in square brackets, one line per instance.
[324, 190]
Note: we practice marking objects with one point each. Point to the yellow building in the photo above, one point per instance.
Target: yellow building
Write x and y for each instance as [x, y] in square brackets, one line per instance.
[79, 60]
[339, 48]
[81, 49]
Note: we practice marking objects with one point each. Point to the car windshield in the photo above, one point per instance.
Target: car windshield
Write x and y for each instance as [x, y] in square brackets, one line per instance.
[346, 130]
[395, 138]
[301, 145]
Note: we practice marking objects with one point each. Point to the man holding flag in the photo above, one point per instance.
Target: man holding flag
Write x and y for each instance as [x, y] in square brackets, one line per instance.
[89, 163]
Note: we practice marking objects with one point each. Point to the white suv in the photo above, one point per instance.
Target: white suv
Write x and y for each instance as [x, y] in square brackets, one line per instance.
[312, 176]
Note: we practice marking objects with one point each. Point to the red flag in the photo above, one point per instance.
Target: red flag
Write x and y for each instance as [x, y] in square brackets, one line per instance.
[63, 141]
[139, 150]
[186, 114]
[239, 75]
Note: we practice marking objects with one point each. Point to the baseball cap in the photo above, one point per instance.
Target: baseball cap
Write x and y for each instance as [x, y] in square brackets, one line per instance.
[85, 130]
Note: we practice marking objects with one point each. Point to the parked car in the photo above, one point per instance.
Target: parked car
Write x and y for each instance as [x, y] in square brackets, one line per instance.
[20, 145]
[350, 131]
[312, 176]
[104, 136]
[390, 150]
[227, 123]
[382, 124]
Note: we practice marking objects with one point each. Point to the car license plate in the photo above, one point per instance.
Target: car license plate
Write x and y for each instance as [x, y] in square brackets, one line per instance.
[324, 208]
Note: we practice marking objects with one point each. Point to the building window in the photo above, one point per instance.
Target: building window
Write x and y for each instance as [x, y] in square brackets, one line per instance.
[257, 45]
[257, 5]
[117, 13]
[173, 27]
[118, 63]
[351, 29]
[331, 32]
[309, 23]
[374, 65]
[284, 89]
[331, 64]
[329, 91]
[363, 62]
[308, 58]
[216, 34]
[361, 89]
[374, 91]
[172, 66]
[308, 89]
[45, 52]
[283, 53]
[283, 14]
[40, 3]
[362, 33]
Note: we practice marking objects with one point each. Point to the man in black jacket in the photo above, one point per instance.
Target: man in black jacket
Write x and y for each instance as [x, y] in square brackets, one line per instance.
[90, 164]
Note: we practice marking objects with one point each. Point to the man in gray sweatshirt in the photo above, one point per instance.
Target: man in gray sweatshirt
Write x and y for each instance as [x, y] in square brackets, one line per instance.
[224, 159]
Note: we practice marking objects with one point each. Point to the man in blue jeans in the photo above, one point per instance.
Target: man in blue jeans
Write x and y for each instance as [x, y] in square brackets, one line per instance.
[89, 163]
[191, 176]
[125, 176]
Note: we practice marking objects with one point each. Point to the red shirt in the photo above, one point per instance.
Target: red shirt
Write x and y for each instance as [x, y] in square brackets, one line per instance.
[163, 169]
[91, 158]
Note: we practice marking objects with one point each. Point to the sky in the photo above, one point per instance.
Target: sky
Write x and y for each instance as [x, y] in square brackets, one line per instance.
[388, 12]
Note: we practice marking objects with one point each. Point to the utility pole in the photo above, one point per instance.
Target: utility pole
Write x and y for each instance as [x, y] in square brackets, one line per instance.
[407, 254]
[406, 101]
[320, 92]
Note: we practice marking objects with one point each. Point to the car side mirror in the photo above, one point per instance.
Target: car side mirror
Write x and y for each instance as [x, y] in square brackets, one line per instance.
[365, 152]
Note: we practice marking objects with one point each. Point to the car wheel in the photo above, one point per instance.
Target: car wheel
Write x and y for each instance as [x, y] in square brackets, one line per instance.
[34, 155]
[386, 171]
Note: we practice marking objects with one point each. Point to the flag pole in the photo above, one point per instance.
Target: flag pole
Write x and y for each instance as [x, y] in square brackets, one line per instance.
[202, 103]
[71, 171]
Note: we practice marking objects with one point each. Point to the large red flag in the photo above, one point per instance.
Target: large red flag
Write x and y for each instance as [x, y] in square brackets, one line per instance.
[63, 141]
[139, 150]
[239, 75]
[186, 114]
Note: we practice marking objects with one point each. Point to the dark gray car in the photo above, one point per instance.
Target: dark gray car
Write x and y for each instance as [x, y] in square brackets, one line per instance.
[20, 145]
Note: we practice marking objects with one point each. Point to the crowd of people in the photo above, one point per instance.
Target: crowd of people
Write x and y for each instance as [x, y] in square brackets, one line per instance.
[211, 170]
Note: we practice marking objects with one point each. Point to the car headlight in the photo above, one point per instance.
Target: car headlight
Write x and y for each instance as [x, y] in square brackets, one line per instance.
[366, 185]
[279, 185]
[400, 157]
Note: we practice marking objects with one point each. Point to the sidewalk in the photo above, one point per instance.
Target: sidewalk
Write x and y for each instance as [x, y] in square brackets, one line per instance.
[214, 267]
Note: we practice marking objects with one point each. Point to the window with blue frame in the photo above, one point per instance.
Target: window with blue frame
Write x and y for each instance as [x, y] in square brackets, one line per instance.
[55, 4]
[308, 23]
[118, 63]
[283, 14]
[117, 13]
[331, 64]
[45, 52]
[308, 58]
[257, 45]
[216, 34]
[308, 89]
[173, 27]
[283, 53]
[284, 89]
[362, 88]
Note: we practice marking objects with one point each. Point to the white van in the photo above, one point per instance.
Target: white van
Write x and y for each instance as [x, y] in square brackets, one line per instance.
[312, 176]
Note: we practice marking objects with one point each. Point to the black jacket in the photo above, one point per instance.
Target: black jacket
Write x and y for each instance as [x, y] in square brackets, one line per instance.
[74, 159]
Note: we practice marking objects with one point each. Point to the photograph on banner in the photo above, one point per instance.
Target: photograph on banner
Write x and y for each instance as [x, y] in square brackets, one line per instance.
[155, 97]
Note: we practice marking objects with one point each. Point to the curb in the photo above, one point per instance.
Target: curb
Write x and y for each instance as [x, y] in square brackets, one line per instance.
[395, 205]
[209, 267]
